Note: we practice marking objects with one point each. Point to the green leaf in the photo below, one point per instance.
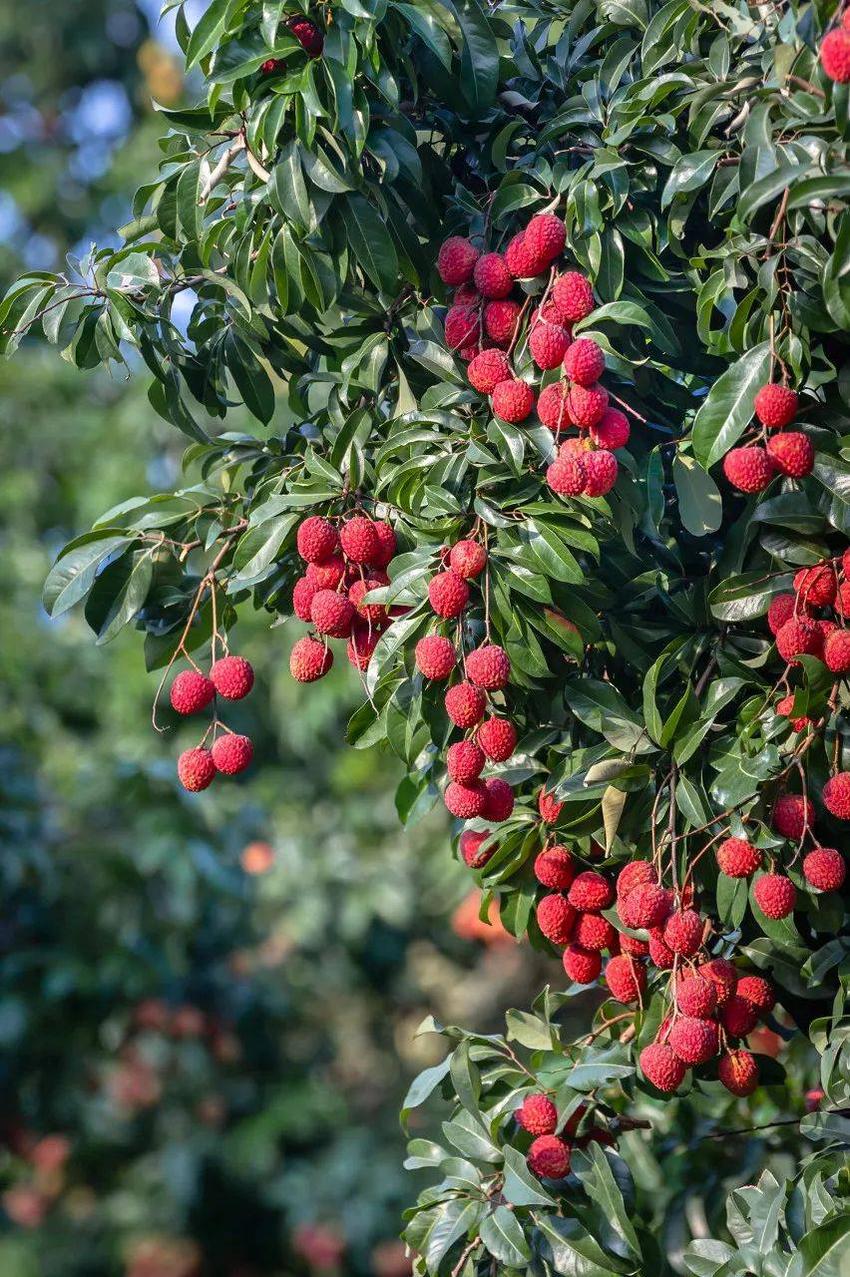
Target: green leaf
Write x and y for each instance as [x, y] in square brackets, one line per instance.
[479, 61]
[75, 571]
[521, 1187]
[502, 1234]
[371, 242]
[700, 503]
[728, 407]
[824, 1251]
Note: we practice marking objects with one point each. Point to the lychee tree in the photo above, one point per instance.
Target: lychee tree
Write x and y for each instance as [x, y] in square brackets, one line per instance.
[537, 319]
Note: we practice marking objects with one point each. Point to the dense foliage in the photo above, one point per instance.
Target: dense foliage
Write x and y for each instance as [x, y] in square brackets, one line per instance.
[696, 156]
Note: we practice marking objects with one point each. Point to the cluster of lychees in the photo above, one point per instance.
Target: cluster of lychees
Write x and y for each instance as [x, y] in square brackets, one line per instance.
[343, 567]
[550, 1152]
[307, 34]
[823, 868]
[751, 467]
[484, 325]
[835, 51]
[485, 672]
[231, 678]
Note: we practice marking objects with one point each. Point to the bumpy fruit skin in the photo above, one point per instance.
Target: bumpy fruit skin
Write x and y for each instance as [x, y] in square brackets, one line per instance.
[196, 769]
[272, 65]
[448, 594]
[775, 406]
[738, 1017]
[791, 815]
[722, 974]
[500, 321]
[317, 539]
[775, 895]
[663, 957]
[332, 613]
[487, 370]
[696, 997]
[310, 660]
[626, 978]
[549, 1157]
[464, 761]
[537, 1115]
[592, 931]
[555, 918]
[328, 574]
[836, 795]
[232, 754]
[758, 991]
[359, 539]
[748, 469]
[489, 667]
[520, 261]
[548, 344]
[781, 609]
[360, 647]
[465, 801]
[498, 801]
[584, 362]
[376, 613]
[544, 240]
[552, 406]
[554, 867]
[470, 848]
[784, 709]
[835, 55]
[308, 35]
[739, 1072]
[387, 544]
[587, 404]
[799, 637]
[465, 704]
[302, 597]
[549, 807]
[601, 470]
[582, 965]
[435, 656]
[791, 453]
[233, 677]
[191, 691]
[461, 327]
[612, 430]
[662, 1067]
[456, 261]
[513, 400]
[468, 559]
[683, 932]
[573, 296]
[647, 905]
[842, 599]
[590, 891]
[693, 1041]
[737, 858]
[492, 277]
[497, 737]
[567, 476]
[634, 874]
[824, 869]
[836, 651]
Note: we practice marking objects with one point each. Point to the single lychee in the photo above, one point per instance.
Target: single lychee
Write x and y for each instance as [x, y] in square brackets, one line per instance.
[498, 801]
[601, 471]
[513, 400]
[696, 997]
[817, 586]
[836, 651]
[626, 978]
[435, 656]
[537, 1115]
[631, 944]
[775, 406]
[582, 965]
[573, 296]
[359, 540]
[465, 761]
[835, 55]
[327, 574]
[332, 613]
[791, 453]
[782, 607]
[549, 1157]
[646, 905]
[584, 362]
[233, 677]
[738, 858]
[693, 1041]
[302, 597]
[547, 344]
[590, 891]
[662, 1067]
[231, 753]
[448, 594]
[544, 239]
[520, 261]
[555, 918]
[792, 815]
[316, 539]
[497, 737]
[552, 406]
[612, 430]
[758, 991]
[465, 801]
[387, 543]
[567, 477]
[374, 612]
[492, 277]
[310, 660]
[593, 931]
[836, 795]
[683, 932]
[739, 1072]
[587, 404]
[738, 1017]
[549, 807]
[554, 867]
[800, 636]
[468, 559]
[191, 691]
[500, 321]
[489, 667]
[465, 704]
[307, 34]
[824, 869]
[487, 370]
[456, 260]
[470, 848]
[775, 895]
[196, 769]
[361, 646]
[462, 327]
[784, 709]
[748, 469]
[634, 874]
[722, 974]
[663, 957]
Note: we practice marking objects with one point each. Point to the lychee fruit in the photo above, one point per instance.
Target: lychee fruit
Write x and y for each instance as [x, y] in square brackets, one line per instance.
[782, 608]
[272, 66]
[231, 753]
[489, 667]
[739, 1072]
[332, 613]
[662, 956]
[836, 795]
[738, 1017]
[748, 469]
[307, 34]
[816, 586]
[738, 858]
[573, 296]
[775, 895]
[593, 931]
[582, 965]
[836, 651]
[544, 239]
[549, 1157]
[634, 874]
[775, 406]
[492, 277]
[784, 709]
[662, 1067]
[612, 430]
[499, 800]
[683, 932]
[626, 978]
[465, 704]
[387, 544]
[310, 660]
[600, 470]
[518, 259]
[513, 400]
[470, 848]
[302, 597]
[824, 869]
[464, 761]
[696, 997]
[567, 476]
[456, 260]
[549, 807]
[792, 814]
[465, 801]
[647, 905]
[552, 406]
[694, 1041]
[359, 540]
[555, 918]
[317, 539]
[361, 646]
[835, 55]
[374, 612]
[587, 404]
[461, 328]
[196, 769]
[448, 594]
[791, 453]
[497, 737]
[435, 656]
[584, 363]
[500, 321]
[722, 974]
[547, 344]
[799, 637]
[554, 867]
[590, 891]
[327, 574]
[758, 991]
[631, 944]
[233, 677]
[487, 370]
[537, 1115]
[191, 691]
[468, 559]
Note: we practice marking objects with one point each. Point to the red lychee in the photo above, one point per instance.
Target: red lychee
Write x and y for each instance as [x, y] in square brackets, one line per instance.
[696, 997]
[326, 575]
[600, 470]
[544, 239]
[465, 801]
[555, 918]
[307, 34]
[791, 453]
[537, 1115]
[634, 874]
[272, 66]
[361, 646]
[231, 753]
[520, 261]
[549, 1157]
[489, 667]
[836, 795]
[738, 1017]
[587, 404]
[468, 559]
[332, 613]
[799, 637]
[631, 944]
[316, 540]
[513, 400]
[374, 612]
[359, 540]
[792, 814]
[191, 691]
[435, 656]
[612, 430]
[497, 737]
[683, 932]
[816, 586]
[500, 320]
[647, 905]
[590, 891]
[785, 707]
[196, 769]
[738, 858]
[626, 978]
[662, 1067]
[456, 260]
[554, 867]
[302, 597]
[593, 931]
[693, 1041]
[465, 704]
[310, 660]
[547, 344]
[836, 651]
[758, 991]
[552, 406]
[835, 55]
[567, 477]
[499, 800]
[781, 609]
[549, 807]
[470, 848]
[748, 469]
[739, 1072]
[492, 277]
[573, 296]
[233, 677]
[775, 895]
[448, 594]
[775, 406]
[487, 370]
[582, 965]
[584, 363]
[824, 869]
[387, 543]
[663, 957]
[464, 761]
[462, 327]
[722, 974]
